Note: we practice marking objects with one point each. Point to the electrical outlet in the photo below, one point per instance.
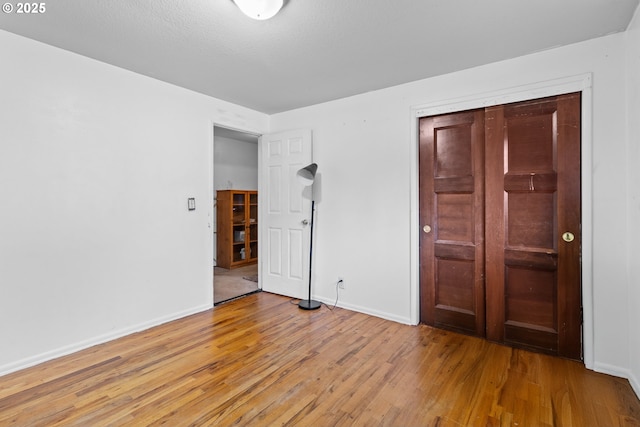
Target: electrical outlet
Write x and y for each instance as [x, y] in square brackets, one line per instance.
[340, 282]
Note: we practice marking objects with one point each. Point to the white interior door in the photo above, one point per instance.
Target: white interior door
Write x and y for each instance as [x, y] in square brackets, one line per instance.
[284, 236]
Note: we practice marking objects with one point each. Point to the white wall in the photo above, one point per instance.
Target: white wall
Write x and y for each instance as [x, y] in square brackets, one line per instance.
[96, 165]
[633, 213]
[363, 147]
[236, 164]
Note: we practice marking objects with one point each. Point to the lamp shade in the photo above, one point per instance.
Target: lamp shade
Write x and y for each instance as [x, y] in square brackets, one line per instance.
[307, 174]
[259, 9]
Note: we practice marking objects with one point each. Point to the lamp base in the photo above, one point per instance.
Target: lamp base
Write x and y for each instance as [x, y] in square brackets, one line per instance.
[309, 304]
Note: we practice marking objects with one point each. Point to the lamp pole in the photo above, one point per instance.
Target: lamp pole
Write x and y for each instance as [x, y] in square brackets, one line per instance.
[307, 176]
[310, 304]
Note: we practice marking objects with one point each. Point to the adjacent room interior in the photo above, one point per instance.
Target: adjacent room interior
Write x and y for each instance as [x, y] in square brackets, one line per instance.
[235, 180]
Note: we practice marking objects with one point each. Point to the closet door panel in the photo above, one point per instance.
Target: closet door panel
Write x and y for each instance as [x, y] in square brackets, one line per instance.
[527, 291]
[451, 215]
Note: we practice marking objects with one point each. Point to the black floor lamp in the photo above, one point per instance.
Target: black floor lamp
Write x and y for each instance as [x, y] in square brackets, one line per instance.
[306, 176]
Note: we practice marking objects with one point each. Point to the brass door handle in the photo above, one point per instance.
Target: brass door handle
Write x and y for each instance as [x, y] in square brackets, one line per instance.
[426, 229]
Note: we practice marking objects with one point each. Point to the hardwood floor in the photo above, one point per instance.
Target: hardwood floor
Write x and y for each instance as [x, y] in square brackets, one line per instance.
[261, 361]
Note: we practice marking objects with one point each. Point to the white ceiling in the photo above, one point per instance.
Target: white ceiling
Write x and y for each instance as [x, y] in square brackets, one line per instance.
[313, 50]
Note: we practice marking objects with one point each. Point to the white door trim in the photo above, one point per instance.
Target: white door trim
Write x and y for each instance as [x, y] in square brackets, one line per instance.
[211, 203]
[579, 83]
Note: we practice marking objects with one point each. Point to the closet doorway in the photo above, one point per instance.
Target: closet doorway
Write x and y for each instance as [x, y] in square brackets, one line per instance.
[235, 167]
[500, 218]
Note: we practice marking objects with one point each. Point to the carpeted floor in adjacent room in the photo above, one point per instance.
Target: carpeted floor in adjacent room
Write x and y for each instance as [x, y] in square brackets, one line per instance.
[229, 284]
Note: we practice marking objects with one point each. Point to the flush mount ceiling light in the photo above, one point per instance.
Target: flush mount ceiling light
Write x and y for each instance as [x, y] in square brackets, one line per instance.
[259, 9]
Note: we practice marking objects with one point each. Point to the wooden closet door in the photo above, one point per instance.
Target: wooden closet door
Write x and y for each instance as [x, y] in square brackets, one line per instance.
[533, 224]
[452, 221]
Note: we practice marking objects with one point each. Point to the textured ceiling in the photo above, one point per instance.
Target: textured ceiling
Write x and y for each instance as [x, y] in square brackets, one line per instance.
[313, 50]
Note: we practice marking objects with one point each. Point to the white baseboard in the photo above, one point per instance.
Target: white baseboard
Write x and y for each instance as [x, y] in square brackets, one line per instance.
[365, 310]
[616, 371]
[82, 345]
[635, 384]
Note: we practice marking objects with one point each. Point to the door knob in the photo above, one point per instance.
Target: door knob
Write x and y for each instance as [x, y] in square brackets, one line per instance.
[568, 236]
[426, 229]
[305, 222]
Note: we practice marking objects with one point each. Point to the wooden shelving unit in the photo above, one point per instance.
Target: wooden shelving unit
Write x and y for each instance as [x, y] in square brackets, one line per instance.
[237, 228]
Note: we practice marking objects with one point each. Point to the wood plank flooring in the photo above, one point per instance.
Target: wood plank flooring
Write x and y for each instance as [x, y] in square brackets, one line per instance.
[261, 361]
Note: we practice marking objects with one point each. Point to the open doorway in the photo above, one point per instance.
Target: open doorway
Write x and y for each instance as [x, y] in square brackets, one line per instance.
[235, 171]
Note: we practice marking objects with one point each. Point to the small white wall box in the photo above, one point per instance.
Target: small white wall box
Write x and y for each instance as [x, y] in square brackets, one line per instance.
[191, 203]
